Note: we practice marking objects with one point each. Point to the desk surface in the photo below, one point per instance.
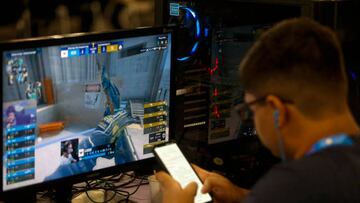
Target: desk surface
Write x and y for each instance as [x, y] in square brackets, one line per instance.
[142, 195]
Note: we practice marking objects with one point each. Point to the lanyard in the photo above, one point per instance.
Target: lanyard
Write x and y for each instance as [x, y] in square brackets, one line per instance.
[335, 140]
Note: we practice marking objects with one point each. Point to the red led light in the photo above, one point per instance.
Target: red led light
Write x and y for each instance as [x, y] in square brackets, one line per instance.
[216, 111]
[212, 70]
[216, 93]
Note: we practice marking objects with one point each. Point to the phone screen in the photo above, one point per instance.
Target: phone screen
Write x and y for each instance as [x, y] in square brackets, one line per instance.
[180, 169]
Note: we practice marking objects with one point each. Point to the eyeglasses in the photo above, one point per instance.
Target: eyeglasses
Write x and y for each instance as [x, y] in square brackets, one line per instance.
[245, 112]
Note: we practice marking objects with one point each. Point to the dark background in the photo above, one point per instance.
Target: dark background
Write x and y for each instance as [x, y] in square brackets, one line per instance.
[243, 159]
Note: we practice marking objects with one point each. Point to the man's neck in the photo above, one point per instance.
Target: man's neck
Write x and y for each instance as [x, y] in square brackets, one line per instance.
[316, 131]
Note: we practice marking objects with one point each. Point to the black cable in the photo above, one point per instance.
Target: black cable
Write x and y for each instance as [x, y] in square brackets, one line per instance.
[128, 182]
[126, 196]
[135, 185]
[131, 186]
[114, 178]
[109, 185]
[92, 200]
[136, 188]
[46, 194]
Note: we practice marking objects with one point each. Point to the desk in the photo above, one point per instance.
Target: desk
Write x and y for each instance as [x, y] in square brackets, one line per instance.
[142, 195]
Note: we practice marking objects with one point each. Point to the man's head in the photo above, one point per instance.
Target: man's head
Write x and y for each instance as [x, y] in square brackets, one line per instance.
[297, 68]
[11, 114]
[67, 148]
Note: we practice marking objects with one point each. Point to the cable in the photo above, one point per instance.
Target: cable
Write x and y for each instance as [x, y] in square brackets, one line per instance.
[92, 200]
[137, 188]
[111, 184]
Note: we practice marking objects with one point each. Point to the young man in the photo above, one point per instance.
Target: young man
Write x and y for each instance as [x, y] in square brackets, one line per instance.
[66, 157]
[295, 84]
[11, 117]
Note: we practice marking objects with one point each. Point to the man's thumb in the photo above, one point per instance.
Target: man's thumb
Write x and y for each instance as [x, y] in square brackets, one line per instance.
[191, 189]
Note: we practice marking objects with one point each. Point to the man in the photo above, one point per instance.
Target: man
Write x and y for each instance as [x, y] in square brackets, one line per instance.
[11, 116]
[66, 157]
[16, 116]
[295, 84]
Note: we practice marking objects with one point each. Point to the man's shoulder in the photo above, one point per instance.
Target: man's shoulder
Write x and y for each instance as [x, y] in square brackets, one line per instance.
[326, 160]
[335, 165]
[331, 162]
[326, 176]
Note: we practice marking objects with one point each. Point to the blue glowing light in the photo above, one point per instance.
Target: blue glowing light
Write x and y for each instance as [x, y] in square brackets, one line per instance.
[193, 50]
[206, 32]
[197, 28]
[183, 58]
[353, 75]
[191, 11]
[197, 20]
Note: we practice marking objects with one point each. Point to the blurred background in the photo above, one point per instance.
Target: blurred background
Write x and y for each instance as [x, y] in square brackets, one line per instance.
[30, 18]
[214, 36]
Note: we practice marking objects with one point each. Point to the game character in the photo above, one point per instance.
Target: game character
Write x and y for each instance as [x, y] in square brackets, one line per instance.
[111, 91]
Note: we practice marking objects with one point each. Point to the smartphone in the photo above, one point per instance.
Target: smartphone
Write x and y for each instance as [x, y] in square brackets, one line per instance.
[180, 169]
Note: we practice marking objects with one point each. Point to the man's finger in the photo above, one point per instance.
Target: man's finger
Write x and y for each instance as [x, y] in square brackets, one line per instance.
[209, 184]
[191, 189]
[203, 174]
[165, 179]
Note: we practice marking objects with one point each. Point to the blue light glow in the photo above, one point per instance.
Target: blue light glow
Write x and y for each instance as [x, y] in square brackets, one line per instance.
[353, 75]
[197, 28]
[191, 11]
[193, 50]
[198, 33]
[183, 58]
[206, 32]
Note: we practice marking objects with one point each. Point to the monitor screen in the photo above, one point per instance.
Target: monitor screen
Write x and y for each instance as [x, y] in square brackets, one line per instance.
[75, 108]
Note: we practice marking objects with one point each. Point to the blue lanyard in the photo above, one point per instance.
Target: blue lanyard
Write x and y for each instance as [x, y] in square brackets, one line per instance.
[335, 140]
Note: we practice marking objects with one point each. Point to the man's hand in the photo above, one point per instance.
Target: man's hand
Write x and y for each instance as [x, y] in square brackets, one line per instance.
[172, 191]
[222, 189]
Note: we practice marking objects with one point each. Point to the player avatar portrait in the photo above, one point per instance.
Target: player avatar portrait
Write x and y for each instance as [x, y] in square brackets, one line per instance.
[69, 152]
[11, 117]
[19, 113]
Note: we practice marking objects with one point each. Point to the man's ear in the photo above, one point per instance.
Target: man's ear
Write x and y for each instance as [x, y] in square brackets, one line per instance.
[279, 110]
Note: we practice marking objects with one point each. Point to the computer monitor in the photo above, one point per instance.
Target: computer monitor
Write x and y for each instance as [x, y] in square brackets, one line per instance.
[83, 105]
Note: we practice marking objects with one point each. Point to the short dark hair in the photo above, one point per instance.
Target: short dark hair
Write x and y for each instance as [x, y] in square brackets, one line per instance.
[65, 146]
[299, 60]
[10, 109]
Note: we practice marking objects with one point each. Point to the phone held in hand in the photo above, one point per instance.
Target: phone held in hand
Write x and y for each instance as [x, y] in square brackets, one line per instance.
[174, 161]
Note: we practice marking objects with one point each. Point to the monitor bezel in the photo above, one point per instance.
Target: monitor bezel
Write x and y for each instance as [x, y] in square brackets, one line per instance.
[77, 38]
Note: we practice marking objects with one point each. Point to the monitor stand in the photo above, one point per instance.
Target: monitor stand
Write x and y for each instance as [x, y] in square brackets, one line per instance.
[23, 196]
[63, 193]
